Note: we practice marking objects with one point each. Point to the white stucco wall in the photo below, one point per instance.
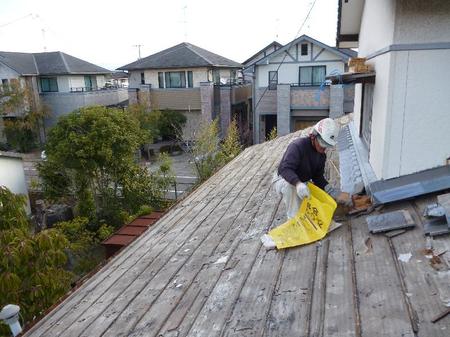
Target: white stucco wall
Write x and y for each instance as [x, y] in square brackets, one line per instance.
[418, 120]
[12, 176]
[288, 72]
[432, 16]
[351, 21]
[134, 78]
[380, 110]
[410, 120]
[151, 76]
[377, 26]
[101, 81]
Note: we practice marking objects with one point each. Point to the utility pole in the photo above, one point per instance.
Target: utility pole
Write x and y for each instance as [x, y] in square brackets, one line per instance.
[139, 49]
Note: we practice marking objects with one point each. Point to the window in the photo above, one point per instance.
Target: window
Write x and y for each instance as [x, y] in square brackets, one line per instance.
[4, 81]
[216, 76]
[190, 79]
[142, 78]
[304, 49]
[366, 112]
[160, 80]
[90, 82]
[314, 75]
[175, 79]
[273, 80]
[49, 84]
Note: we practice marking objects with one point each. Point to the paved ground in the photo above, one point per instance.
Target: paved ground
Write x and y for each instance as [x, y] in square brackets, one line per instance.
[184, 171]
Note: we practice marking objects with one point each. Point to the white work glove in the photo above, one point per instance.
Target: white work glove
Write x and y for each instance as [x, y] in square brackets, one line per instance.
[302, 190]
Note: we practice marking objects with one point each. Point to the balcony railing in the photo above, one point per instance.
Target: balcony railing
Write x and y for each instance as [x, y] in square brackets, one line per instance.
[89, 89]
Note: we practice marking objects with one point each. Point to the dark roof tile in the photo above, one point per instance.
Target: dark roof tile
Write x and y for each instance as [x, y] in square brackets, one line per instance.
[183, 55]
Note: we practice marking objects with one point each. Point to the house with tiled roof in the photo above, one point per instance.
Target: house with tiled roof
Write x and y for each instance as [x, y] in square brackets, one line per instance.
[60, 81]
[194, 81]
[290, 92]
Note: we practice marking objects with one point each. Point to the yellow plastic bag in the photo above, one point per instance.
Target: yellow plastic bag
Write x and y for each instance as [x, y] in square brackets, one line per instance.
[309, 224]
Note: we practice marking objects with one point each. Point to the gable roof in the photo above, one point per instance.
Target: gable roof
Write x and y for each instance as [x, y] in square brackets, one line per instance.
[275, 44]
[50, 63]
[343, 54]
[183, 55]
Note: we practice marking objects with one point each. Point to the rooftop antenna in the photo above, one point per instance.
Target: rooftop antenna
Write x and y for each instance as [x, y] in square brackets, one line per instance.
[277, 28]
[43, 39]
[139, 49]
[185, 22]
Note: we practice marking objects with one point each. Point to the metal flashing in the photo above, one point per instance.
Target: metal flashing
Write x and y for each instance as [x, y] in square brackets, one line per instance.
[390, 221]
[411, 185]
[409, 47]
[444, 201]
[436, 227]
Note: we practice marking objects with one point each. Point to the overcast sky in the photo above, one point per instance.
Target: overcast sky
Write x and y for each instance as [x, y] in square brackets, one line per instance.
[104, 32]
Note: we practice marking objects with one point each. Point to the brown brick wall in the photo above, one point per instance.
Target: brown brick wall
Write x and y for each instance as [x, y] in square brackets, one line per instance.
[268, 104]
[241, 93]
[307, 97]
[177, 99]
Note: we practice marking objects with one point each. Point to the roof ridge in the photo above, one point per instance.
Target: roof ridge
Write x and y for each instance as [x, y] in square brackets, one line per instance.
[189, 46]
[64, 61]
[35, 64]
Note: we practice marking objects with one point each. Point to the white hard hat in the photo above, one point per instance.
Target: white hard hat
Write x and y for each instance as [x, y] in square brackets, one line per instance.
[328, 131]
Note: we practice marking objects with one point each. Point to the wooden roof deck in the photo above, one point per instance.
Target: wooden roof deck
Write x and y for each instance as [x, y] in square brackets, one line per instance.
[202, 271]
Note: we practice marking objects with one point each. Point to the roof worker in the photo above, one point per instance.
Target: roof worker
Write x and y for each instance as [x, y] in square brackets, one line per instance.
[303, 161]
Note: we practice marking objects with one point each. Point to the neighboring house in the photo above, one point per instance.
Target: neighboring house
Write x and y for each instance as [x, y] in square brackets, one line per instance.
[118, 79]
[12, 175]
[60, 81]
[289, 86]
[249, 64]
[194, 81]
[402, 121]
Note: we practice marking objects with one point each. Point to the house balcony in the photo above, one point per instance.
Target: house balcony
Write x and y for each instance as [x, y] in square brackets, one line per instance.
[185, 99]
[62, 103]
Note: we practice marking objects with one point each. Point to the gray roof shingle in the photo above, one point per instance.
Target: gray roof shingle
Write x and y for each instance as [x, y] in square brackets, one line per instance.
[51, 63]
[183, 55]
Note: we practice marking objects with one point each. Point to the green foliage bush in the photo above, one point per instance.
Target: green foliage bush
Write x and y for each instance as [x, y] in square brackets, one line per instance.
[91, 159]
[32, 271]
[231, 145]
[83, 243]
[19, 137]
[171, 123]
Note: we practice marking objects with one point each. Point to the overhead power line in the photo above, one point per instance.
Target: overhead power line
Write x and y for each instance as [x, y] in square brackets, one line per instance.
[289, 47]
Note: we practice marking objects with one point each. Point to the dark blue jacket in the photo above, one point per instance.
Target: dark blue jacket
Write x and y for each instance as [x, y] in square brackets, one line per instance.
[301, 162]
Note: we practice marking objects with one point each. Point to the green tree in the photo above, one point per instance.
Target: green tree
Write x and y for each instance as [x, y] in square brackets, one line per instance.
[91, 160]
[84, 249]
[171, 124]
[27, 129]
[205, 149]
[32, 271]
[231, 145]
[148, 120]
[273, 134]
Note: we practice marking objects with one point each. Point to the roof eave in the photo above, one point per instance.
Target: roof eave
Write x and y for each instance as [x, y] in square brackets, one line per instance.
[346, 40]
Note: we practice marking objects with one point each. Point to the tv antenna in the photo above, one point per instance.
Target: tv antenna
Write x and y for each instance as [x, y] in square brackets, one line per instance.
[185, 22]
[138, 46]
